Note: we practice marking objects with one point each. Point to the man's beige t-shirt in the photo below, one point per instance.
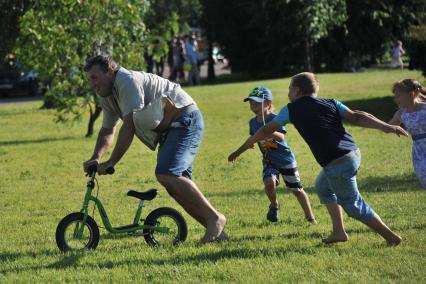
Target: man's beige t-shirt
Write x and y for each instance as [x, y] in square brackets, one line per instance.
[132, 90]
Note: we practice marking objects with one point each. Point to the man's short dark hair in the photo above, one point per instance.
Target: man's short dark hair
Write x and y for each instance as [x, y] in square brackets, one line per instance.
[105, 62]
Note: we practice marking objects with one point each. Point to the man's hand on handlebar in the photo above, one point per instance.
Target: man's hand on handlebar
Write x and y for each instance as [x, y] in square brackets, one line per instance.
[89, 164]
[106, 168]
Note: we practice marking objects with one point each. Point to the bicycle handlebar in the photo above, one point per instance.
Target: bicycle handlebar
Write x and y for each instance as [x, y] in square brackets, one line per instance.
[94, 168]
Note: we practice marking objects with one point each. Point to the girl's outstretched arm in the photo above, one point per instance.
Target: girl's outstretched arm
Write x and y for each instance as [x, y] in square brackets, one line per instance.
[261, 134]
[396, 119]
[367, 120]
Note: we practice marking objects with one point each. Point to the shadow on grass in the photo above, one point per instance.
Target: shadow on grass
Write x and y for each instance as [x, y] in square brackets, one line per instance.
[401, 183]
[383, 107]
[380, 184]
[64, 260]
[12, 256]
[35, 141]
[226, 252]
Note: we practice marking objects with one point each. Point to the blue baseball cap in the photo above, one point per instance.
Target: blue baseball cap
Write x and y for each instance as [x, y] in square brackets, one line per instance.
[259, 94]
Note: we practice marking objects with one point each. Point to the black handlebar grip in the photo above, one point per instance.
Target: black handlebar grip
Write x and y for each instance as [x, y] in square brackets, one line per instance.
[92, 168]
[110, 170]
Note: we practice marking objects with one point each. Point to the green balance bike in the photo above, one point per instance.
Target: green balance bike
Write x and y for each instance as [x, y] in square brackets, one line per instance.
[79, 231]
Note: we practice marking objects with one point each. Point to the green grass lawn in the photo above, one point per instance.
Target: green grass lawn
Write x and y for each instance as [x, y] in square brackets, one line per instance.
[41, 181]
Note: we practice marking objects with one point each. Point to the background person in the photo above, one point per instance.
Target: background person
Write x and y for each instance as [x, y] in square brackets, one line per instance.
[191, 52]
[397, 53]
[123, 93]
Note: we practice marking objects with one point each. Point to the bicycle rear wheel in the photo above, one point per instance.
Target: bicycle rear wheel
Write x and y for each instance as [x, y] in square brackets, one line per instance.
[73, 235]
[168, 218]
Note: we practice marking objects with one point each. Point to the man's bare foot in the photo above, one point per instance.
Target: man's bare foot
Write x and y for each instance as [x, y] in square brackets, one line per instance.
[214, 230]
[394, 241]
[223, 237]
[312, 220]
[336, 238]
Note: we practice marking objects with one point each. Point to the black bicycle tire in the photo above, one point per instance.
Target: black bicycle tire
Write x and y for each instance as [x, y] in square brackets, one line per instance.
[151, 220]
[66, 221]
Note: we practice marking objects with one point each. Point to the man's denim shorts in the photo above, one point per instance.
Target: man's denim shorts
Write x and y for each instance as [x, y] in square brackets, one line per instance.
[180, 143]
[336, 183]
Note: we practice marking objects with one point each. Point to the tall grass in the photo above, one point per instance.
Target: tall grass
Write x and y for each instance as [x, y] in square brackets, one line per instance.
[41, 181]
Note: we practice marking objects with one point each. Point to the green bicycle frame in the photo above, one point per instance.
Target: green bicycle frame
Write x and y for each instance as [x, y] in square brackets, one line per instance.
[135, 226]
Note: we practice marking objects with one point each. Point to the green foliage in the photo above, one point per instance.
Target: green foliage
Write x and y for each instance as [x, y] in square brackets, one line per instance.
[57, 36]
[283, 37]
[38, 190]
[276, 32]
[417, 47]
[318, 17]
[165, 19]
[10, 11]
[369, 33]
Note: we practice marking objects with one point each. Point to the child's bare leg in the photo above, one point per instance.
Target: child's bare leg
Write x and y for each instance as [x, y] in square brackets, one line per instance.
[339, 233]
[303, 200]
[378, 226]
[270, 190]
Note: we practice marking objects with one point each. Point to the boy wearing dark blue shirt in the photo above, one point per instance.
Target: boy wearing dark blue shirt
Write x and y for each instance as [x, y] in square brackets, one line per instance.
[319, 122]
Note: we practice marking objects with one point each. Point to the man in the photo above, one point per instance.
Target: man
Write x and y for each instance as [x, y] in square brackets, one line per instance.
[126, 95]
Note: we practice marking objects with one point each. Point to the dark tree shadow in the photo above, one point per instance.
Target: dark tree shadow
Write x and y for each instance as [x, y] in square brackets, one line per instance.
[383, 107]
[400, 183]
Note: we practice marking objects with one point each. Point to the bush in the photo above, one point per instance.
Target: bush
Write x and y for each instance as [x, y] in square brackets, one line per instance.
[416, 47]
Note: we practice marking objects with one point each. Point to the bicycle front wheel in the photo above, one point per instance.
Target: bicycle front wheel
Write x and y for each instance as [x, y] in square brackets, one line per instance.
[74, 235]
[169, 218]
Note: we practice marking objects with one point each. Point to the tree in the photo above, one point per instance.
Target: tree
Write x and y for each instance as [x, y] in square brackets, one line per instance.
[318, 17]
[165, 19]
[417, 47]
[10, 12]
[368, 33]
[56, 38]
[271, 37]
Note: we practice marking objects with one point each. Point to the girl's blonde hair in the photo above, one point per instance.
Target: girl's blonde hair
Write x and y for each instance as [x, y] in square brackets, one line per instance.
[410, 85]
[307, 83]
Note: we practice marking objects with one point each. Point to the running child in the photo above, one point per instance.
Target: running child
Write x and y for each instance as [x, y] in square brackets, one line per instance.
[278, 158]
[408, 95]
[319, 122]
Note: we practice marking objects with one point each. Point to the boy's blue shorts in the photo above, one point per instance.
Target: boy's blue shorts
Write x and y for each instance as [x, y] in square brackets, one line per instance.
[180, 143]
[336, 183]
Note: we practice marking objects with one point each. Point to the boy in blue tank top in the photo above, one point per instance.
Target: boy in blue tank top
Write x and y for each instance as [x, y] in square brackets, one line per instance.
[277, 156]
[319, 122]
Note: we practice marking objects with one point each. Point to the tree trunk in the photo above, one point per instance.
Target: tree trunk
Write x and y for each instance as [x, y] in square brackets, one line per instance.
[93, 116]
[308, 56]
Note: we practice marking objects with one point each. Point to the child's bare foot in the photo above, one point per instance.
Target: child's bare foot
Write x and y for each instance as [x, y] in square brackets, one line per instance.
[336, 238]
[394, 241]
[214, 230]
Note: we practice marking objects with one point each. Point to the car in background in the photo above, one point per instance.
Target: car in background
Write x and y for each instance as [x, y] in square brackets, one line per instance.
[18, 83]
[15, 82]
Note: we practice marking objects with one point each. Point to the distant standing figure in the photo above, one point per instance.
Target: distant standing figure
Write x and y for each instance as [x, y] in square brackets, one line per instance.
[409, 96]
[178, 74]
[397, 52]
[191, 50]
